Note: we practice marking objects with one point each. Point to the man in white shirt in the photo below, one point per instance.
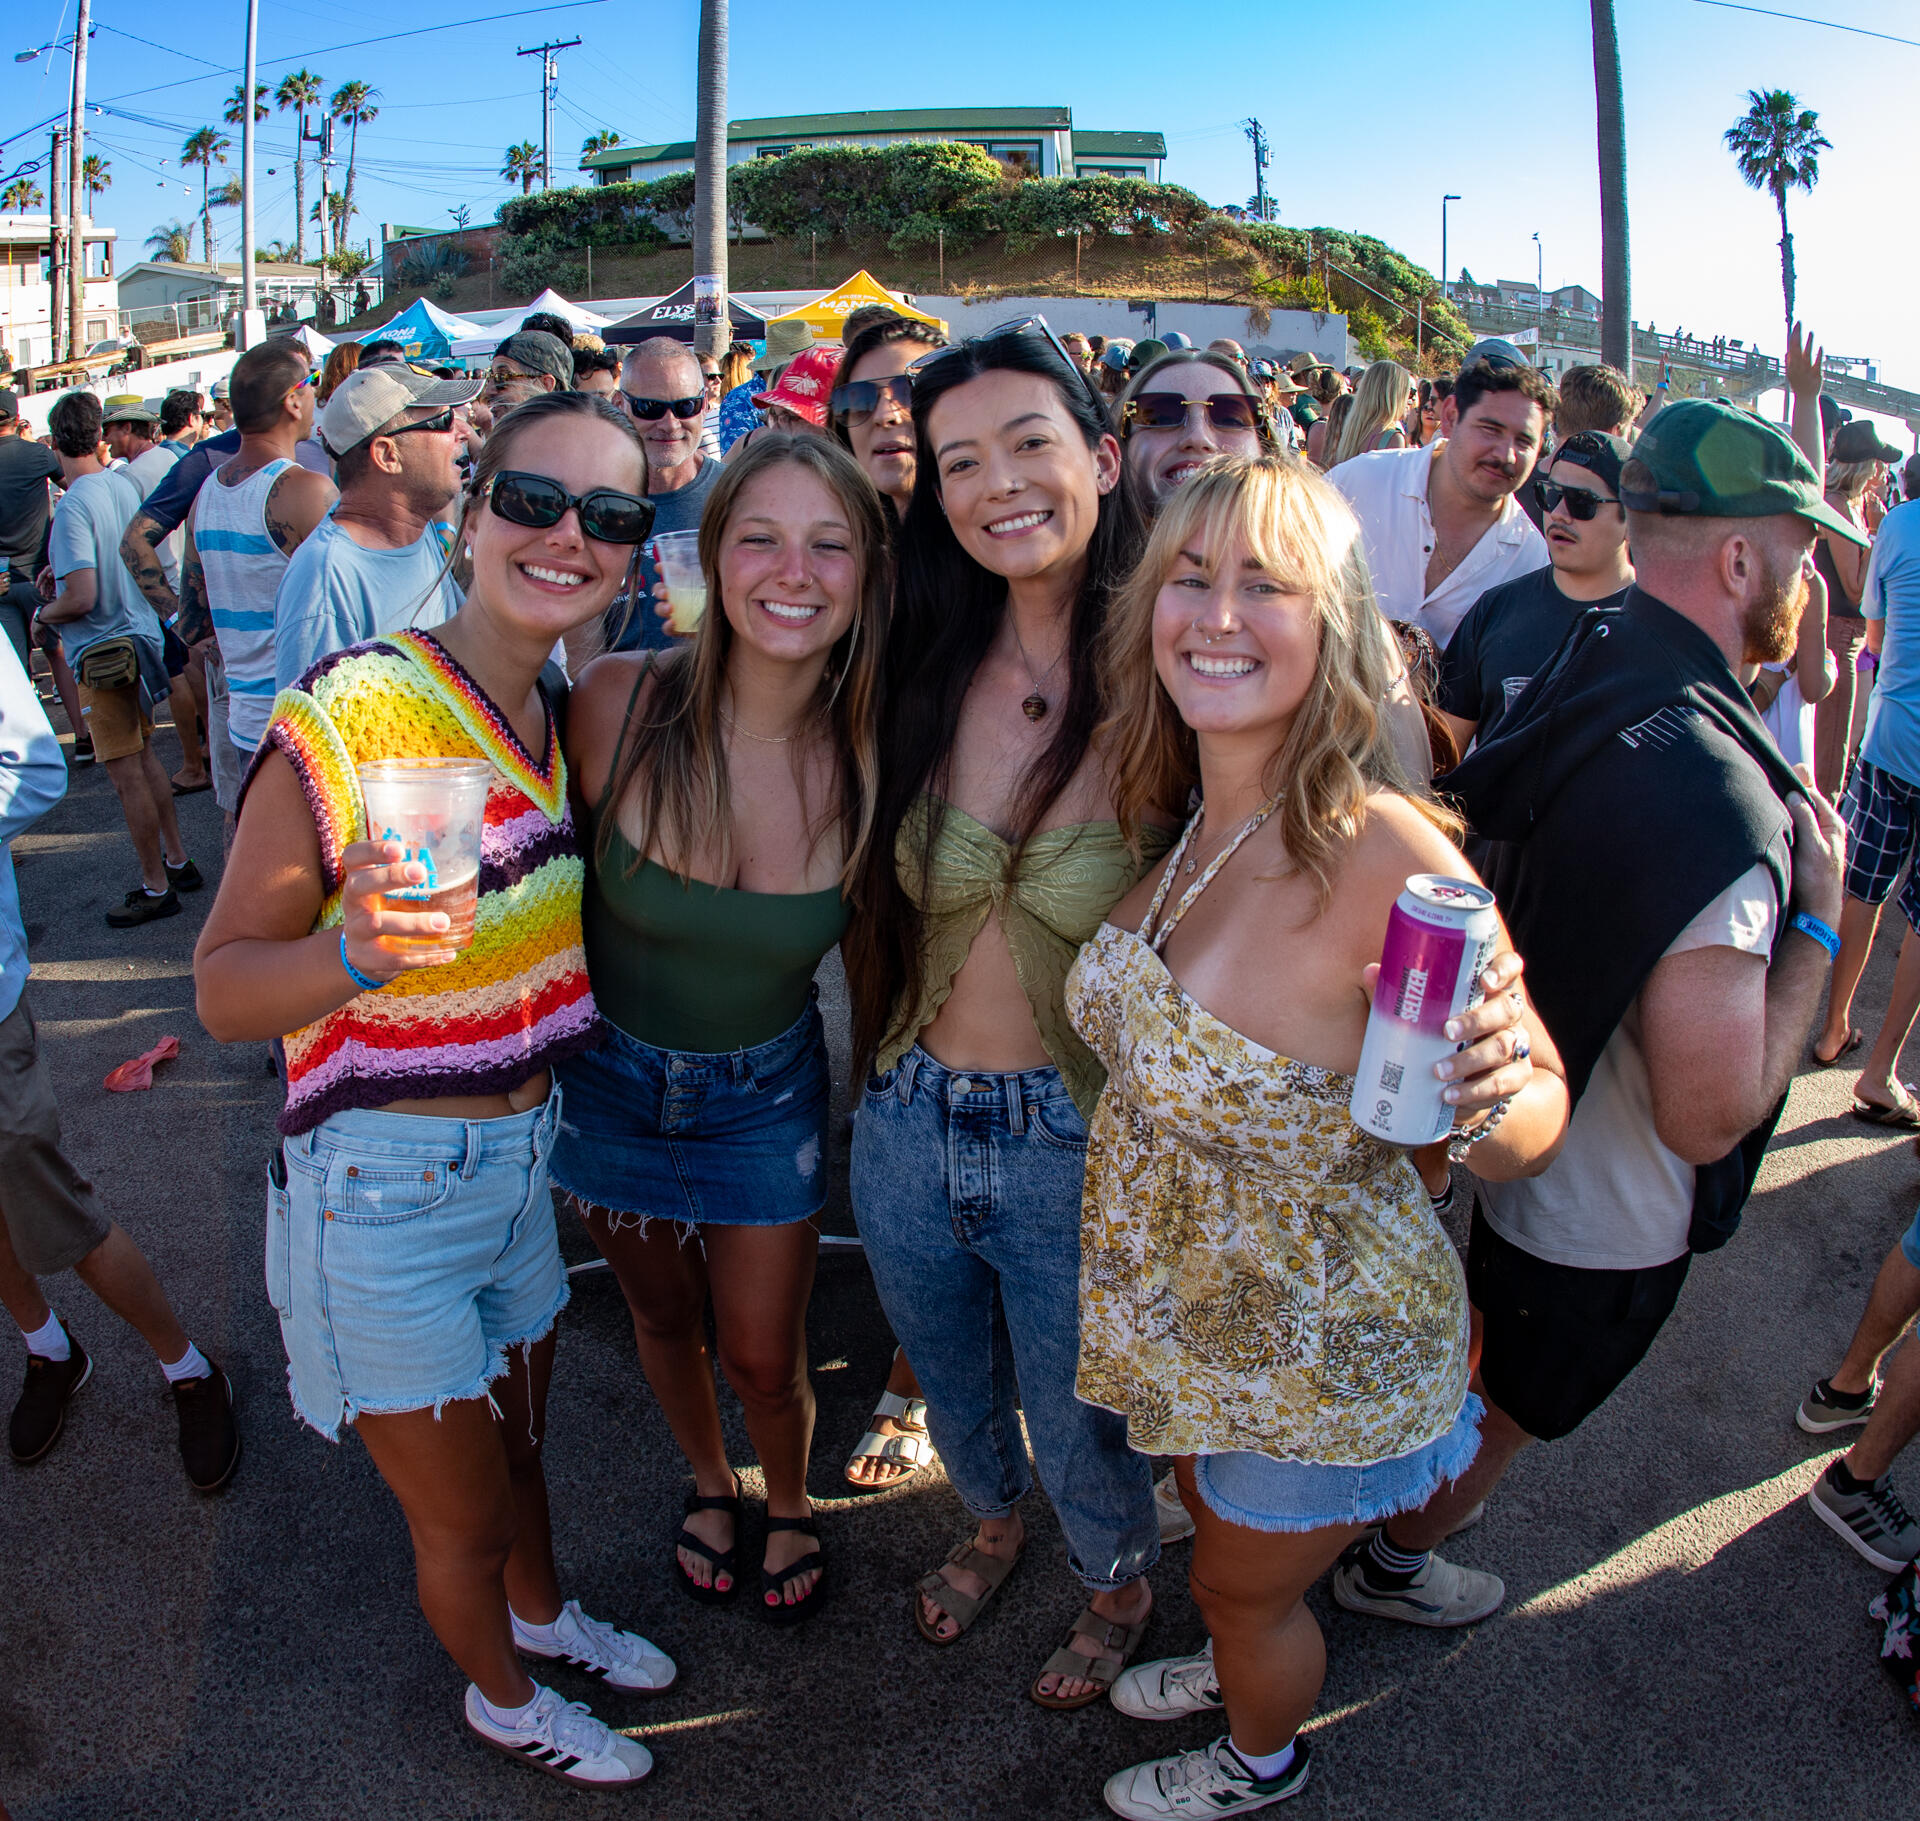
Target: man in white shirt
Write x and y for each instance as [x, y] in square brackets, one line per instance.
[1441, 524]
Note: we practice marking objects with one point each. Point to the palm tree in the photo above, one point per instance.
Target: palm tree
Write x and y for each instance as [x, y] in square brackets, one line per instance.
[22, 196]
[353, 103]
[1616, 268]
[710, 169]
[522, 165]
[96, 174]
[171, 241]
[234, 110]
[206, 148]
[299, 91]
[1777, 145]
[603, 141]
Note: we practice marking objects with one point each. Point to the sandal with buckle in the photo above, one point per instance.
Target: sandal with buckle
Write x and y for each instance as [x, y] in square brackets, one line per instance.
[1096, 1651]
[781, 1612]
[907, 1453]
[961, 1608]
[721, 1559]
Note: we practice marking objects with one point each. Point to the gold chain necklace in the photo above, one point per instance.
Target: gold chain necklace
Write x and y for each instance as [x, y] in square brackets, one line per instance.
[765, 739]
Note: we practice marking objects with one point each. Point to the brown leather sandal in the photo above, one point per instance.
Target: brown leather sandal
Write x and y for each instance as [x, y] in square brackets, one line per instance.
[962, 1608]
[1096, 1651]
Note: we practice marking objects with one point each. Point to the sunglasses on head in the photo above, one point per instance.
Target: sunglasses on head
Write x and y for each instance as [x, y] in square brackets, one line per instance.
[1035, 328]
[651, 410]
[1169, 410]
[1580, 503]
[537, 502]
[859, 399]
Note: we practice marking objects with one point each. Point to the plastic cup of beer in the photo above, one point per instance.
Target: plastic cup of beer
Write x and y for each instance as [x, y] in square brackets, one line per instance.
[436, 810]
[678, 554]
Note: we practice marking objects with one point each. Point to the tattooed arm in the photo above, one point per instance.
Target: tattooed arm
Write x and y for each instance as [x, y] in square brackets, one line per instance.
[140, 551]
[196, 616]
[297, 502]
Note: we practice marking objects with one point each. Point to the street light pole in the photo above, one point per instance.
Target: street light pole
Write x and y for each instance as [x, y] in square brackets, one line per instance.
[1445, 283]
[1539, 274]
[76, 194]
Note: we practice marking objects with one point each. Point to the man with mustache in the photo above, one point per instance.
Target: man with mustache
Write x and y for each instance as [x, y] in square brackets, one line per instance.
[1441, 523]
[1673, 885]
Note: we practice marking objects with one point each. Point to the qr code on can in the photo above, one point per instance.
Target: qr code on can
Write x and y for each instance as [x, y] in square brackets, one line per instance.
[1391, 1074]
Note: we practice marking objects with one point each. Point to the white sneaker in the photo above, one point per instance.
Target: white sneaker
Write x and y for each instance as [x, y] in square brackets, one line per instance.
[563, 1739]
[1169, 1689]
[621, 1659]
[1442, 1594]
[1176, 1521]
[1210, 1782]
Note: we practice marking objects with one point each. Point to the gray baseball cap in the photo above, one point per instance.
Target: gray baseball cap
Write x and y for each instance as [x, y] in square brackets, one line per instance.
[371, 398]
[539, 352]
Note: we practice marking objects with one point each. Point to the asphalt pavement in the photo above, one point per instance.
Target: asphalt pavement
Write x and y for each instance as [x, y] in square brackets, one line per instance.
[1680, 1637]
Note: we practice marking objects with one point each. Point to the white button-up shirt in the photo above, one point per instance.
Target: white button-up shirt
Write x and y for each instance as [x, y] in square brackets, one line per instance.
[1388, 493]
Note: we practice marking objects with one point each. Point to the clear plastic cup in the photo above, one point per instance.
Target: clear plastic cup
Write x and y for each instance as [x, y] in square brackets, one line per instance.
[436, 809]
[678, 555]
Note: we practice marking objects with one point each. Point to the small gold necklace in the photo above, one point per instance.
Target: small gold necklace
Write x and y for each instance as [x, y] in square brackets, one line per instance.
[765, 739]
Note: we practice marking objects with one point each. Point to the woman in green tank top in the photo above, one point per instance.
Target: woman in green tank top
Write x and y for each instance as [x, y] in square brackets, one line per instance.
[732, 784]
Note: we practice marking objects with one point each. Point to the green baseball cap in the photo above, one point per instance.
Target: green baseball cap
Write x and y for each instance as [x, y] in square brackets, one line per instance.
[1713, 461]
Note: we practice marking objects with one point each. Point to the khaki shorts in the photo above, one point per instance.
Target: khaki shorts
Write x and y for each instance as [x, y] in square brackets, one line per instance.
[117, 720]
[53, 1220]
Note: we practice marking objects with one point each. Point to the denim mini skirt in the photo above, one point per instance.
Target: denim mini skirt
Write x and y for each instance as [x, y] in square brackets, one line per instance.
[1258, 1492]
[728, 1138]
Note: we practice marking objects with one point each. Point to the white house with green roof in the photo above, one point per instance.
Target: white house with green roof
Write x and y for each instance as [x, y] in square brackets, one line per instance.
[1042, 141]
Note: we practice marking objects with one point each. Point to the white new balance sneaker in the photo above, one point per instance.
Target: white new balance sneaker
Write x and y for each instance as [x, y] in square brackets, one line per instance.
[1442, 1594]
[1176, 1521]
[1210, 1782]
[621, 1659]
[563, 1739]
[1169, 1689]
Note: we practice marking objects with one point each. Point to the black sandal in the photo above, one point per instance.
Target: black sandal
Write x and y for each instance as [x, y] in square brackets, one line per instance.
[722, 1560]
[780, 1613]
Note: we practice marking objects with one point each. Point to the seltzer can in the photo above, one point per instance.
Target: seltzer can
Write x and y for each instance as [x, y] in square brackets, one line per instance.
[1440, 938]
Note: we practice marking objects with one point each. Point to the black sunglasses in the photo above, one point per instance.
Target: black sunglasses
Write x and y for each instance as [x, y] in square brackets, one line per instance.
[651, 410]
[1168, 411]
[537, 502]
[859, 399]
[1580, 504]
[441, 420]
[1034, 327]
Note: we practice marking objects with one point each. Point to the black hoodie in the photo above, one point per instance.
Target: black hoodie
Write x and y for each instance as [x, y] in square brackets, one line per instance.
[1629, 785]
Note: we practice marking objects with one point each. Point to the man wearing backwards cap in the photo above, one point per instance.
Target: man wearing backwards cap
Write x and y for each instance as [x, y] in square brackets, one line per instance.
[1673, 886]
[524, 366]
[377, 561]
[1513, 630]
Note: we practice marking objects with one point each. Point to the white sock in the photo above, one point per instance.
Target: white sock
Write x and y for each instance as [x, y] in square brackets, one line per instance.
[511, 1717]
[49, 1340]
[190, 1364]
[540, 1634]
[1274, 1764]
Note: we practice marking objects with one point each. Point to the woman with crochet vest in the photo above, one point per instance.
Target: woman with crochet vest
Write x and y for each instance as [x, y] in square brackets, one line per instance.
[732, 784]
[411, 1249]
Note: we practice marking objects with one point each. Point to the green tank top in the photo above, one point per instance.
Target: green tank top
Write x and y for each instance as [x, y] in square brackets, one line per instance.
[691, 966]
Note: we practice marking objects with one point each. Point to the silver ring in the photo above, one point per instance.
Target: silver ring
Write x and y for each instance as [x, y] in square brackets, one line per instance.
[1522, 1048]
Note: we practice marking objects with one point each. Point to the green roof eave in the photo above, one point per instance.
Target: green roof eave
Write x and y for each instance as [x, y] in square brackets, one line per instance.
[1089, 144]
[907, 120]
[616, 155]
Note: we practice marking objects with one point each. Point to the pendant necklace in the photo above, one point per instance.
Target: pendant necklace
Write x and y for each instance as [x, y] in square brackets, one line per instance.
[1034, 705]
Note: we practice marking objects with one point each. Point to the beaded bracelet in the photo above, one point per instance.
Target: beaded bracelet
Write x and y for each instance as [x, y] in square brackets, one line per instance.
[1463, 1142]
[354, 974]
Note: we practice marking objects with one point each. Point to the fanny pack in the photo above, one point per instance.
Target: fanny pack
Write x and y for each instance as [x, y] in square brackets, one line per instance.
[111, 664]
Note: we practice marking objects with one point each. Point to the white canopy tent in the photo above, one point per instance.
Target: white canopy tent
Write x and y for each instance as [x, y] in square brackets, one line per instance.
[551, 303]
[318, 347]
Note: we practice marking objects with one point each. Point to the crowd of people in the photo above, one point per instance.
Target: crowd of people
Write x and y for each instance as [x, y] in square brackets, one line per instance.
[1096, 700]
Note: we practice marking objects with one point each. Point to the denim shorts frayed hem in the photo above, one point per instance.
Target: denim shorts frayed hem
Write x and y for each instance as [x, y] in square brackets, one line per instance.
[1257, 1492]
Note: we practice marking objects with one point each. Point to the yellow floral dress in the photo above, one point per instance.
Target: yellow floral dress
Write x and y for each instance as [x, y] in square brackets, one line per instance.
[1256, 1271]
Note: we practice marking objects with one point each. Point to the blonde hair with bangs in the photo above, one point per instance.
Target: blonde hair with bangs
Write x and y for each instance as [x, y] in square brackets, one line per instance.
[1338, 748]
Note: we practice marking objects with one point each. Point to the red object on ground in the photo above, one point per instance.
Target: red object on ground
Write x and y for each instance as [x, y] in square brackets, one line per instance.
[130, 1077]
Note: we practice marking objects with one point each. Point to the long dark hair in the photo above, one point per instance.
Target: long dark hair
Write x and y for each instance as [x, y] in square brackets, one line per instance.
[947, 609]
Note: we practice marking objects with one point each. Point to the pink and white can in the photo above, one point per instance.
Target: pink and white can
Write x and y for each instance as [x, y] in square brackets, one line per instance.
[1440, 938]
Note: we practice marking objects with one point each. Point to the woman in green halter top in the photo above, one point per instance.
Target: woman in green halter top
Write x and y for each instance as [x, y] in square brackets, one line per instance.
[732, 789]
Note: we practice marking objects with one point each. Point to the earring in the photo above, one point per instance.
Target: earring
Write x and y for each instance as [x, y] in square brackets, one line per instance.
[469, 553]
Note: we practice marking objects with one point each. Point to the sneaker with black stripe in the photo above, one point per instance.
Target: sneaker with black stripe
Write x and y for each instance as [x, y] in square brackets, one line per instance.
[621, 1659]
[1824, 1409]
[1209, 1782]
[1870, 1517]
[563, 1739]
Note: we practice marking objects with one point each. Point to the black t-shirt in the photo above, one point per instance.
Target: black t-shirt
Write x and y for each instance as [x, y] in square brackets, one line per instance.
[25, 511]
[1507, 637]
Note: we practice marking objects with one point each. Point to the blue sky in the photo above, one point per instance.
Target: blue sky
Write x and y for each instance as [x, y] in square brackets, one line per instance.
[1375, 108]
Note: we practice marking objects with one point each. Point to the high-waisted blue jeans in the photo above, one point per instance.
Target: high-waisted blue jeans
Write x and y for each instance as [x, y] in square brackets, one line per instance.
[967, 1191]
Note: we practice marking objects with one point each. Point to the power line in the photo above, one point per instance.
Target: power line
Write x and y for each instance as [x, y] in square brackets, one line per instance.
[1832, 25]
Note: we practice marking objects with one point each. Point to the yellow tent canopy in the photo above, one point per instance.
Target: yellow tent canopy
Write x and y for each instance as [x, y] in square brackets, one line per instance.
[827, 316]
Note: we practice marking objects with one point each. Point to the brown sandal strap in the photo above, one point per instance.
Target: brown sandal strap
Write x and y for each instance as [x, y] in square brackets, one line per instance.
[964, 1608]
[1093, 1644]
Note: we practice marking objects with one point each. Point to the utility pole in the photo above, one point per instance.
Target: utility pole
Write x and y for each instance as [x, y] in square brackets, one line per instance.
[1446, 284]
[76, 193]
[1262, 157]
[246, 174]
[56, 241]
[549, 89]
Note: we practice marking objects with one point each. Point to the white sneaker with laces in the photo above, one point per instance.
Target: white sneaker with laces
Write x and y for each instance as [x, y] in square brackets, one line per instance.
[621, 1659]
[1209, 1782]
[563, 1739]
[1169, 1689]
[1176, 1521]
[1442, 1594]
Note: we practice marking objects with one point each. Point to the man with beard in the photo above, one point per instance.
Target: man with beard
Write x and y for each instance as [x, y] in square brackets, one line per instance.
[1441, 523]
[1673, 886]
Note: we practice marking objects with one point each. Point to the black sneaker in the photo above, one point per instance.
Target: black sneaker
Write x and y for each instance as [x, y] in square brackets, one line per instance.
[185, 877]
[142, 906]
[41, 1413]
[209, 1437]
[83, 752]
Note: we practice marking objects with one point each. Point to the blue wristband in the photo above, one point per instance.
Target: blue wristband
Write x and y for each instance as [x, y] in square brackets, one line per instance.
[1823, 933]
[373, 986]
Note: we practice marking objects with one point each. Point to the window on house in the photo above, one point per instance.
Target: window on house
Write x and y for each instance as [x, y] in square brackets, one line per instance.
[774, 151]
[1019, 156]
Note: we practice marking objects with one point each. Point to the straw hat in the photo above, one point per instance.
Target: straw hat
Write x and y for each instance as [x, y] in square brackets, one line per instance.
[784, 341]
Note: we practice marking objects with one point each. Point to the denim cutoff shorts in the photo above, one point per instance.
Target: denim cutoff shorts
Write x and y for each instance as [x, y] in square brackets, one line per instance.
[727, 1138]
[406, 1255]
[1258, 1492]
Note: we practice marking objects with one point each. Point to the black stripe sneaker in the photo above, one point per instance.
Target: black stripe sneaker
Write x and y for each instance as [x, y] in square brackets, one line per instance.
[1209, 1782]
[41, 1413]
[1442, 1594]
[621, 1659]
[1824, 1409]
[1872, 1519]
[564, 1740]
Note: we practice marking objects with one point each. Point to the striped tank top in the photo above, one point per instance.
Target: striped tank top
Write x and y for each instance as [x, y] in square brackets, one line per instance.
[243, 567]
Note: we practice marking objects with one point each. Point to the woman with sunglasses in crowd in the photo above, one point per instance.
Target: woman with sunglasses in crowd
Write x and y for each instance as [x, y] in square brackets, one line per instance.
[1180, 413]
[1267, 1294]
[732, 784]
[994, 855]
[411, 1250]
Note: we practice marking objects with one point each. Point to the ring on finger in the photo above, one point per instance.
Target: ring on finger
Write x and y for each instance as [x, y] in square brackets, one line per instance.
[1522, 1047]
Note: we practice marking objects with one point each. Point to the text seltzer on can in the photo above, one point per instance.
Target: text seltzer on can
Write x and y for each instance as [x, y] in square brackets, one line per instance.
[1440, 938]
